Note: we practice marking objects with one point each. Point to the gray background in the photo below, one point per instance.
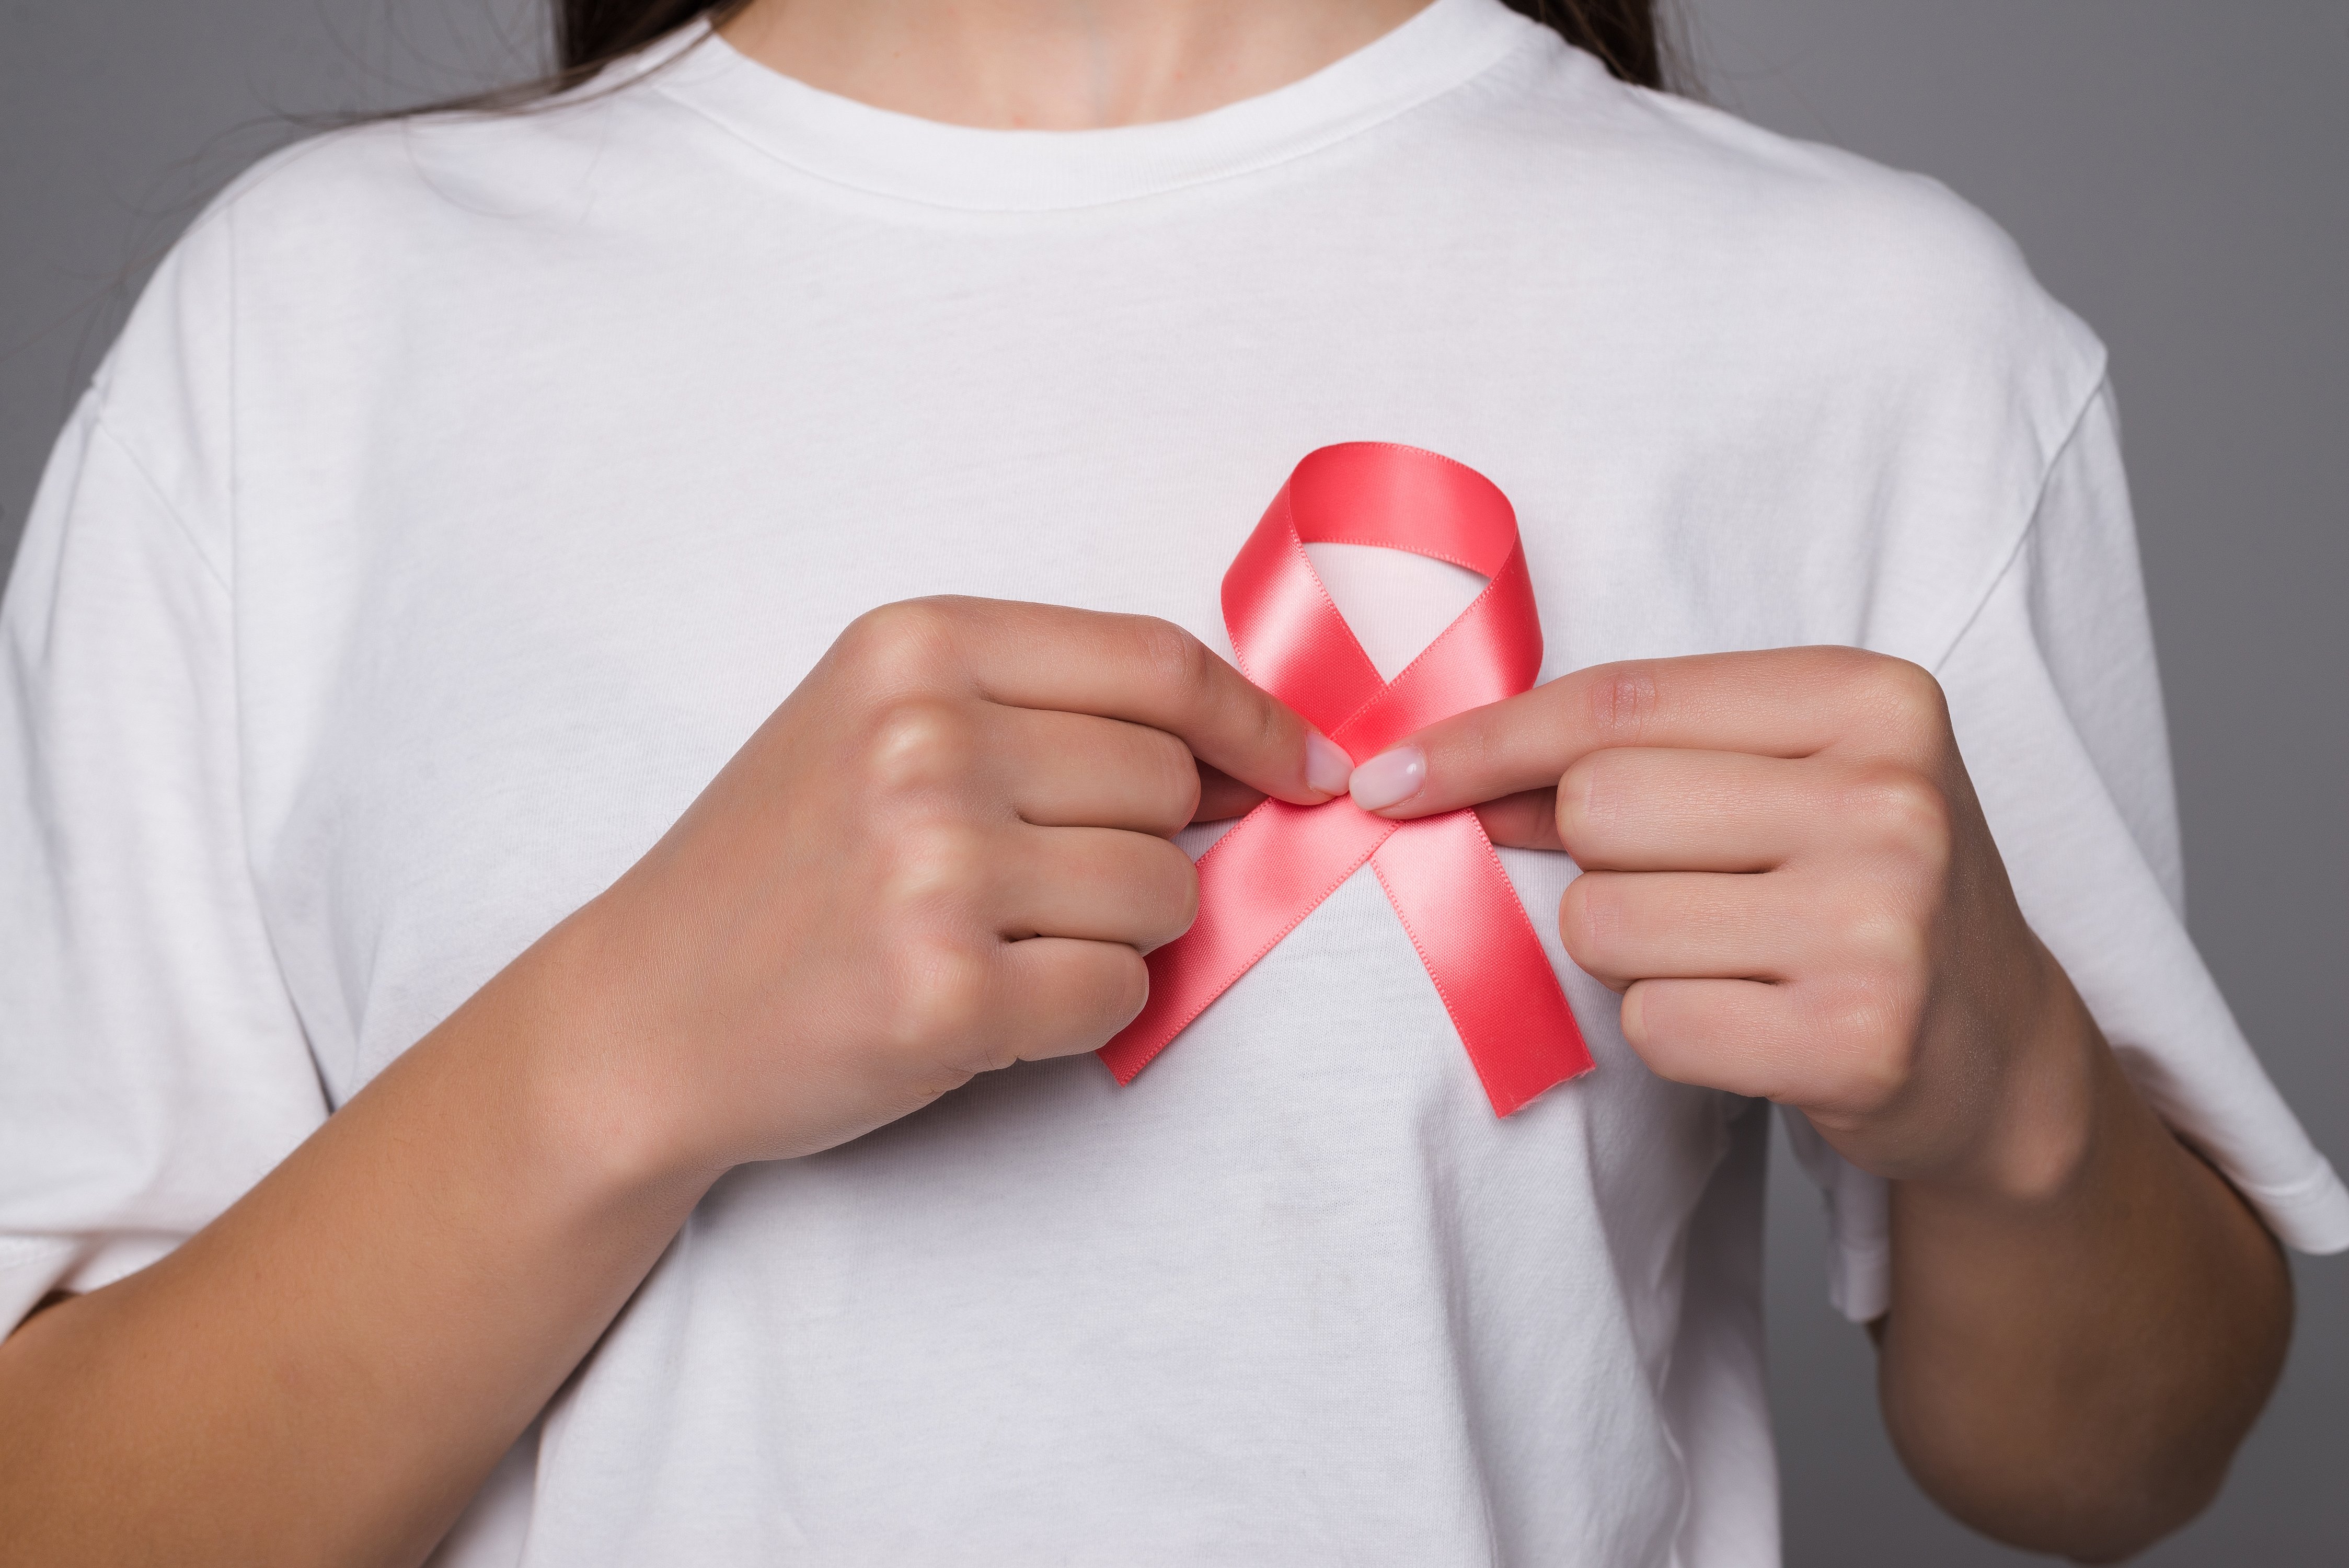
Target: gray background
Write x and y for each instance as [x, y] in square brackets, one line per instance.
[2177, 169]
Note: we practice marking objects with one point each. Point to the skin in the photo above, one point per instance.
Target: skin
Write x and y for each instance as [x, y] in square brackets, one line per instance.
[945, 852]
[1788, 877]
[948, 849]
[1056, 65]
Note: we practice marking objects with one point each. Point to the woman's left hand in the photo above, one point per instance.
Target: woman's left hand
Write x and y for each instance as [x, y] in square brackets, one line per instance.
[1787, 874]
[1788, 877]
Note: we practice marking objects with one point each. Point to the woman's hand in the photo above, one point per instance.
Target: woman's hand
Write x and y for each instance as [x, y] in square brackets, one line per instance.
[1788, 877]
[945, 852]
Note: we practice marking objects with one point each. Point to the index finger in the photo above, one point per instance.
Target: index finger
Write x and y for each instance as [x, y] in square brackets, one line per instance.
[1145, 671]
[1776, 702]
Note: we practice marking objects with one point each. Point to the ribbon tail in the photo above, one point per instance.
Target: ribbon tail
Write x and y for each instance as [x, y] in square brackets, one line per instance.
[1450, 892]
[1256, 882]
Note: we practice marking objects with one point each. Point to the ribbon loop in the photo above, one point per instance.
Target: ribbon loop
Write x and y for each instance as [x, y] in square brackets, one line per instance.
[1440, 873]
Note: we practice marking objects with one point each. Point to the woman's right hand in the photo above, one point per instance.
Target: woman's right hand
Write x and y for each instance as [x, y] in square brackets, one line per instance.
[945, 852]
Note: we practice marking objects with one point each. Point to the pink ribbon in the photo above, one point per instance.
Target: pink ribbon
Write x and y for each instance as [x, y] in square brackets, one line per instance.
[1440, 873]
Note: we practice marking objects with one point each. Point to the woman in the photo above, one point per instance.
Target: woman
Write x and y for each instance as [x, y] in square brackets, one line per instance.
[713, 1135]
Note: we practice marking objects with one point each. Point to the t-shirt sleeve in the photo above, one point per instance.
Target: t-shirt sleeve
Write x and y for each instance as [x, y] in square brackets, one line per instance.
[151, 1067]
[2057, 705]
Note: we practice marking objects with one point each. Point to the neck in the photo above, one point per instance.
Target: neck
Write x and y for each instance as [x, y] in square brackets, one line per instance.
[1056, 65]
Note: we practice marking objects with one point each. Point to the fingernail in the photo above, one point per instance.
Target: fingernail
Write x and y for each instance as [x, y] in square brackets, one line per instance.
[1389, 778]
[1327, 766]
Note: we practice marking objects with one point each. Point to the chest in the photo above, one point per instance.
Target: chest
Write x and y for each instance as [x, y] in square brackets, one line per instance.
[500, 632]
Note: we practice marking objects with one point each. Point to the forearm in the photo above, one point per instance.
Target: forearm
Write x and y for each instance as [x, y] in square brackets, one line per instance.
[1788, 874]
[945, 852]
[326, 1373]
[2072, 1355]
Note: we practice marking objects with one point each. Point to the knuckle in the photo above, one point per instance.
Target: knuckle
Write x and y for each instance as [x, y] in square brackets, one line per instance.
[1872, 1032]
[1906, 701]
[1180, 897]
[1879, 944]
[1585, 796]
[1126, 987]
[1131, 987]
[1084, 997]
[1174, 660]
[1185, 675]
[908, 643]
[940, 862]
[1623, 701]
[941, 999]
[1582, 921]
[1162, 893]
[915, 743]
[1175, 780]
[1902, 812]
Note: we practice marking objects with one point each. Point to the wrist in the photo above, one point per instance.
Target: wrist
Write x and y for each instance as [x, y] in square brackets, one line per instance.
[2038, 1122]
[587, 1081]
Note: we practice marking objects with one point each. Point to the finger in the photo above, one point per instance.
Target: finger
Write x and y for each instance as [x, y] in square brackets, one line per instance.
[1650, 810]
[1526, 821]
[1094, 884]
[1075, 770]
[1783, 702]
[1057, 997]
[1133, 667]
[1624, 926]
[1731, 1035]
[1222, 796]
[1801, 1044]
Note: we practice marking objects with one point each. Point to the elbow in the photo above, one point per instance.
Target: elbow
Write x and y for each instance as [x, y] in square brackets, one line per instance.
[2086, 1517]
[2124, 1520]
[2100, 1469]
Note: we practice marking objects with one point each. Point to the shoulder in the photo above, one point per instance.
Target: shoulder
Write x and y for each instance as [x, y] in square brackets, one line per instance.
[392, 192]
[419, 198]
[1824, 364]
[1665, 170]
[1864, 251]
[1782, 253]
[328, 255]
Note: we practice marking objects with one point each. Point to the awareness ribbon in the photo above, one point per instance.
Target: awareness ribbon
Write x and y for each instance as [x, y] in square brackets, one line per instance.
[1273, 869]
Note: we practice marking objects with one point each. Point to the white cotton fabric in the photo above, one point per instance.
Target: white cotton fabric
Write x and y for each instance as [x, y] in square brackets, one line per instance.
[465, 490]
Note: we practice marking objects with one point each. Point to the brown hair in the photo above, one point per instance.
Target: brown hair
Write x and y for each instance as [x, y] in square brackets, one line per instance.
[591, 33]
[1626, 35]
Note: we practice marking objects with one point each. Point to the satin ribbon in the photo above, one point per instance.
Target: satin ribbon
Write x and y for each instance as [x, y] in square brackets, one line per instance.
[1271, 870]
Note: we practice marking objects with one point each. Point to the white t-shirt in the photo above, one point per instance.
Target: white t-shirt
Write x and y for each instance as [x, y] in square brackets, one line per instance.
[464, 491]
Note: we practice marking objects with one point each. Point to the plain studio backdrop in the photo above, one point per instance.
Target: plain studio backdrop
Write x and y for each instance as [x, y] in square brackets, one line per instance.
[2177, 171]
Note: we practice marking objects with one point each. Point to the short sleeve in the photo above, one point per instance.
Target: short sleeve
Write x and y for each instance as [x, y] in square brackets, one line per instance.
[151, 1067]
[2056, 703]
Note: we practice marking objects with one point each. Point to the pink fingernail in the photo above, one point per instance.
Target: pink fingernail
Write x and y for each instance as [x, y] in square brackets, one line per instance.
[1327, 766]
[1389, 777]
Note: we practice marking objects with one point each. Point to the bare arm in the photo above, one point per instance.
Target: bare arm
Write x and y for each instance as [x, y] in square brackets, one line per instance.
[326, 1373]
[1787, 875]
[945, 852]
[2071, 1360]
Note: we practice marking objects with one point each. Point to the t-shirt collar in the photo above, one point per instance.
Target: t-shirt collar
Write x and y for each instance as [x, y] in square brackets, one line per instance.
[877, 150]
